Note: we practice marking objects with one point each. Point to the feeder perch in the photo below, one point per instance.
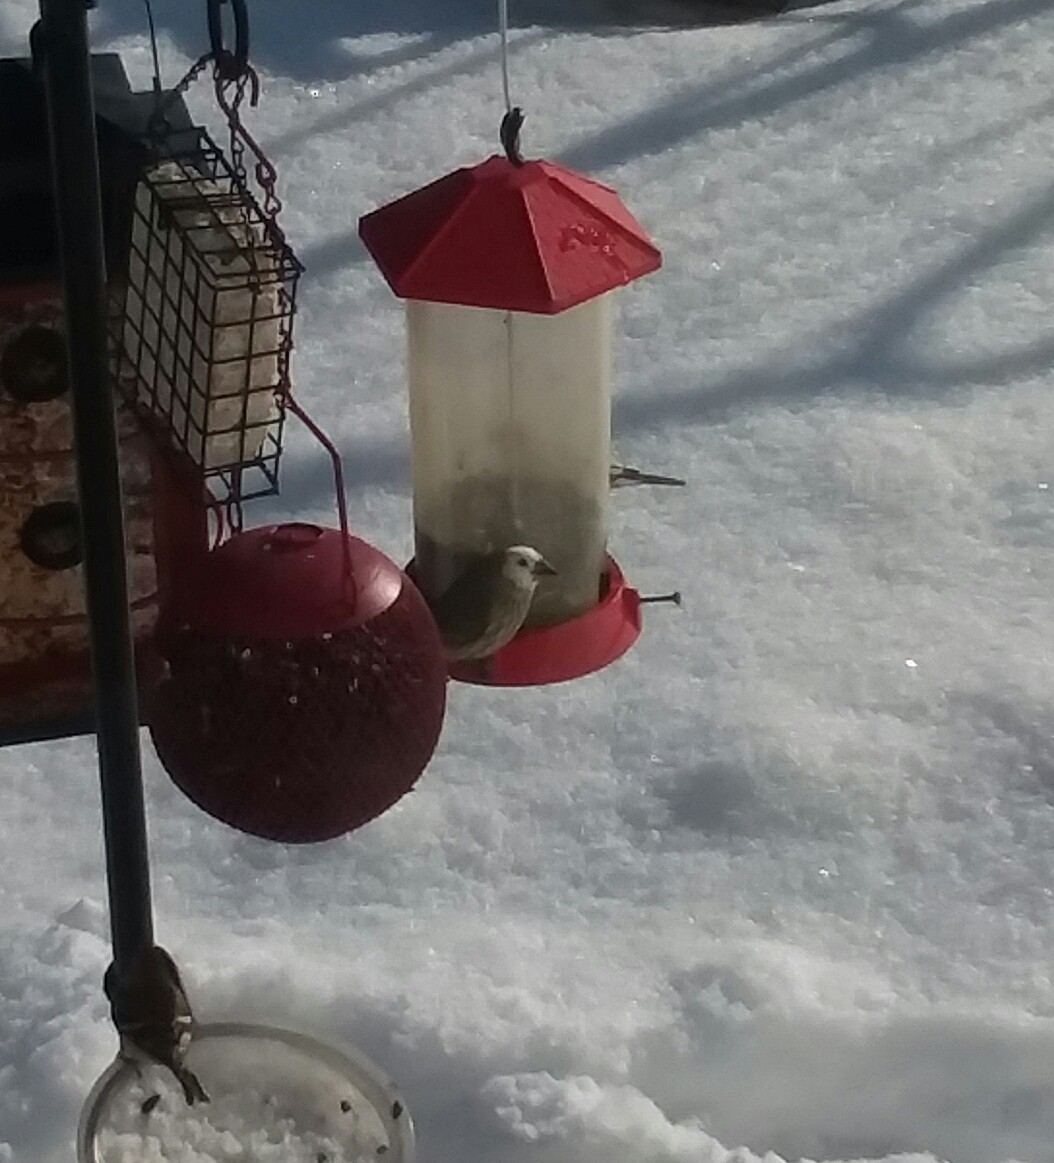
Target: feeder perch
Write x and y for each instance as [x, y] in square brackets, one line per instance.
[201, 326]
[305, 685]
[507, 271]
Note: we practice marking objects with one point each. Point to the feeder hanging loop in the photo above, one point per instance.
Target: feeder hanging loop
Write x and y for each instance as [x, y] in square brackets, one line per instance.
[230, 64]
[338, 481]
[509, 133]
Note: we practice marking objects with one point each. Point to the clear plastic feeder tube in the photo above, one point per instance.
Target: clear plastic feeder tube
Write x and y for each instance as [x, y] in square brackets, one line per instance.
[510, 416]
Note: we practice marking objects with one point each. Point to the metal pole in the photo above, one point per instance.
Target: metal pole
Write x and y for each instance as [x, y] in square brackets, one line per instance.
[63, 42]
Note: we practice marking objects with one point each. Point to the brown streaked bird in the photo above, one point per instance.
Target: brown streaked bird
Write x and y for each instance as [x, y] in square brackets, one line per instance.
[485, 608]
[153, 1017]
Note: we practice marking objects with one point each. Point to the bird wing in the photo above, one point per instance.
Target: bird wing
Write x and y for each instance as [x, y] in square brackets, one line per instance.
[463, 611]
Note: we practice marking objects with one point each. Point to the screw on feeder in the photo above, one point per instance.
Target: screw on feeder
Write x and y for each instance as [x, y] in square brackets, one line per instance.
[33, 365]
[51, 536]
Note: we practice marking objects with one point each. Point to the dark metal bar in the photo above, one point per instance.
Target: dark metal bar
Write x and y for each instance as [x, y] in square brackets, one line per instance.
[62, 39]
[674, 598]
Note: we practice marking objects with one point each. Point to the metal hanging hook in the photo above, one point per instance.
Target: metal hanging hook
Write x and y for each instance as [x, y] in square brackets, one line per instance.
[230, 63]
[351, 590]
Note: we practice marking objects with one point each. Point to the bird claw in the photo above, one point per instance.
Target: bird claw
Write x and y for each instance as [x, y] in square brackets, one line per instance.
[193, 1091]
[153, 1017]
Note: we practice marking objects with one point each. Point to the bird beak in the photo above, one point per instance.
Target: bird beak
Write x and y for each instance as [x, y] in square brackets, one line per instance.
[543, 568]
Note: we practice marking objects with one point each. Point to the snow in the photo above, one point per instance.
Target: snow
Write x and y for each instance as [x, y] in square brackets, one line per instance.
[778, 884]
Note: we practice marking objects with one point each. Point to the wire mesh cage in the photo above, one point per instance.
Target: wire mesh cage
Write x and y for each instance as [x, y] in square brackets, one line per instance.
[201, 322]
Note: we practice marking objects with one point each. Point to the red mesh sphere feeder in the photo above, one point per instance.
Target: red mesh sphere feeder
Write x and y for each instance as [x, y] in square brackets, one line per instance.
[507, 269]
[306, 685]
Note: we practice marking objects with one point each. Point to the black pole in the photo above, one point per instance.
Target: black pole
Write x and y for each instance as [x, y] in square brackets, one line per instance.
[62, 40]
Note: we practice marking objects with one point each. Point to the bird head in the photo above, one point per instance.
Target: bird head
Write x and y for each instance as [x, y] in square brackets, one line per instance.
[525, 566]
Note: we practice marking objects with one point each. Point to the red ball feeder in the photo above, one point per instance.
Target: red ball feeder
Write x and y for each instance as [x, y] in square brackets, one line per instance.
[507, 268]
[305, 685]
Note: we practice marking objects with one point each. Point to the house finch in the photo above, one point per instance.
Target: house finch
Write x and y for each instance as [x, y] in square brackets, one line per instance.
[153, 1017]
[483, 610]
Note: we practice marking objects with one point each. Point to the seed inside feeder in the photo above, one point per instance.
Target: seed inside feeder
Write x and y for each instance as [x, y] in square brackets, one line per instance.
[485, 514]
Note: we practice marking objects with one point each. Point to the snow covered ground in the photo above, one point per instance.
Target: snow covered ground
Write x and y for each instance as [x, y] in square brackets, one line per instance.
[779, 884]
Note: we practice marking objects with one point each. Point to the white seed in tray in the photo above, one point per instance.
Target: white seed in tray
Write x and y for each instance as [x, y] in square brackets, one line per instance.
[262, 1111]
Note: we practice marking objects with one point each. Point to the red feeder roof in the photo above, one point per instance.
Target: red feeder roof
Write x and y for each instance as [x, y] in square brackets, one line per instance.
[536, 237]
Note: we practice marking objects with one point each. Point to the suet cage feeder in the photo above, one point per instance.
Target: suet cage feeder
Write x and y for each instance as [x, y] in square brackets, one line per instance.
[201, 322]
[508, 270]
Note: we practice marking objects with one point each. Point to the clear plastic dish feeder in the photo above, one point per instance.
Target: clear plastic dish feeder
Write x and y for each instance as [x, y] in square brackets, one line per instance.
[507, 271]
[276, 1097]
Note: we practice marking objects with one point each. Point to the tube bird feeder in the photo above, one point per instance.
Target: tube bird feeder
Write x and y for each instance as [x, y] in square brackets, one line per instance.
[508, 270]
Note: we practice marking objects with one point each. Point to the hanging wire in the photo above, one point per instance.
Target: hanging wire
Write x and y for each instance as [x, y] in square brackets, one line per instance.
[513, 119]
[153, 47]
[509, 134]
[503, 21]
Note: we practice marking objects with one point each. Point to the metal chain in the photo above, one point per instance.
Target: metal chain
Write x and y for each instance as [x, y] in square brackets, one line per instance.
[240, 139]
[234, 79]
[157, 125]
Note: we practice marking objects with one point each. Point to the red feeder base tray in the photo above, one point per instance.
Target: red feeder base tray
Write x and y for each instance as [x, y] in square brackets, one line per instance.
[568, 650]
